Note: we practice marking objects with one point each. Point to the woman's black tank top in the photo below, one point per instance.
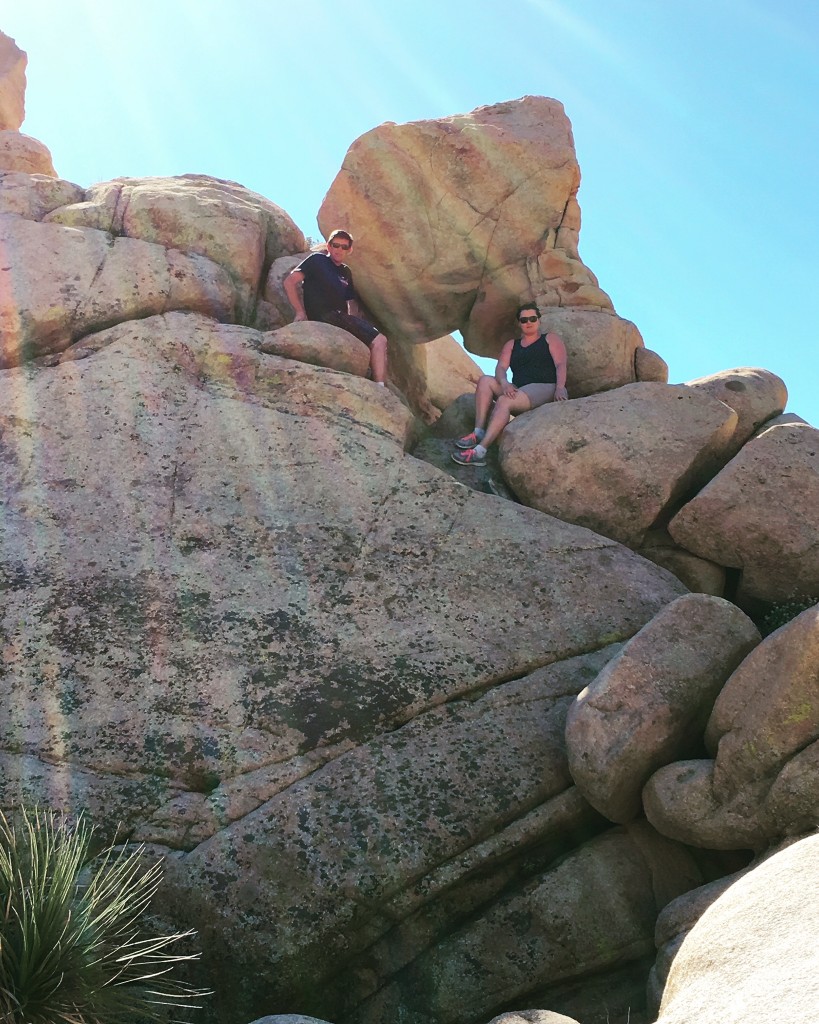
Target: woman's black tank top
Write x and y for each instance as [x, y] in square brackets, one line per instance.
[533, 364]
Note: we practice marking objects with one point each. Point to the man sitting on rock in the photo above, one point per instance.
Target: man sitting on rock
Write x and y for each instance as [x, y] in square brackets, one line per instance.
[538, 363]
[327, 294]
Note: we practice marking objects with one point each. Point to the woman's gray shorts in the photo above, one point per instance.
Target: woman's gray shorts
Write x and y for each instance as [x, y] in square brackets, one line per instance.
[539, 394]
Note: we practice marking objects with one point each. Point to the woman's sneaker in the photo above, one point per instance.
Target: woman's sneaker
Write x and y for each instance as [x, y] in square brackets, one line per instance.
[469, 458]
[469, 441]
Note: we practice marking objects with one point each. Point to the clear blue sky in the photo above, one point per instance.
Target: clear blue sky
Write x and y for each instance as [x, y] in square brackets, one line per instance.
[696, 125]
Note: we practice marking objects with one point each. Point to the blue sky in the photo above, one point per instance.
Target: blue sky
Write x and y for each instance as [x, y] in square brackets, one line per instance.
[696, 126]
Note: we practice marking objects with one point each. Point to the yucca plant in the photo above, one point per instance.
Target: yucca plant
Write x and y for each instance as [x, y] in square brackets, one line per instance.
[72, 947]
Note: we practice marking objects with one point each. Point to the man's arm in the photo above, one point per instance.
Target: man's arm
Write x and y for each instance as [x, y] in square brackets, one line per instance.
[292, 289]
[558, 350]
[501, 370]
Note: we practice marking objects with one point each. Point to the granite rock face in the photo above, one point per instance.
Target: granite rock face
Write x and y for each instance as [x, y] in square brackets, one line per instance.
[760, 935]
[12, 84]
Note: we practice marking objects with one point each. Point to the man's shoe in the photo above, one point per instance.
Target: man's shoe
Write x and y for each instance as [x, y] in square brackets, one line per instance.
[469, 441]
[469, 458]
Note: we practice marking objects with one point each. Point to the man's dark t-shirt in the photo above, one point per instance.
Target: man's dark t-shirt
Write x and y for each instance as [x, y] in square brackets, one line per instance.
[327, 287]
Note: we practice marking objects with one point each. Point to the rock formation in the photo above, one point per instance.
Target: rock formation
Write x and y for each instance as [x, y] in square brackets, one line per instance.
[244, 624]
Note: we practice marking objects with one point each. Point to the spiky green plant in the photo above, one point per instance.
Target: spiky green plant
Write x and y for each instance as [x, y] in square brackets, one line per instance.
[72, 949]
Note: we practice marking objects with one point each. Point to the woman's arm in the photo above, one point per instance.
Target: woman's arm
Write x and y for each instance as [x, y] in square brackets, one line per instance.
[502, 368]
[558, 350]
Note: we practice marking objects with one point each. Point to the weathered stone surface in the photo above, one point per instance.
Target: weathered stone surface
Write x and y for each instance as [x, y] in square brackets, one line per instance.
[20, 152]
[616, 462]
[551, 929]
[600, 348]
[673, 924]
[759, 515]
[680, 802]
[650, 366]
[698, 574]
[755, 395]
[498, 181]
[57, 284]
[752, 955]
[763, 730]
[650, 704]
[318, 344]
[32, 196]
[274, 284]
[233, 605]
[12, 84]
[221, 220]
[768, 710]
[450, 372]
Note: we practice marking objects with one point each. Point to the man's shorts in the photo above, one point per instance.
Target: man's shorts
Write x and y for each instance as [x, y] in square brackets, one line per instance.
[539, 394]
[362, 329]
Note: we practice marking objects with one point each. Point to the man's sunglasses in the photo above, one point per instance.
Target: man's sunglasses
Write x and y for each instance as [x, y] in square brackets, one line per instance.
[528, 319]
[340, 245]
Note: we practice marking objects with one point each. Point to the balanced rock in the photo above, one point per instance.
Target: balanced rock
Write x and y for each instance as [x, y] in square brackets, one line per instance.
[755, 395]
[12, 84]
[749, 955]
[221, 220]
[650, 366]
[650, 704]
[502, 183]
[763, 732]
[618, 461]
[760, 515]
[19, 152]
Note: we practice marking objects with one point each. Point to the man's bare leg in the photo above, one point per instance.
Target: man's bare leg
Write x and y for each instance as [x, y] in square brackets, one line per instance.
[378, 358]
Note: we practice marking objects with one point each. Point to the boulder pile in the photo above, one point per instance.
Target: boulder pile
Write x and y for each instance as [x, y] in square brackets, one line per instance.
[411, 751]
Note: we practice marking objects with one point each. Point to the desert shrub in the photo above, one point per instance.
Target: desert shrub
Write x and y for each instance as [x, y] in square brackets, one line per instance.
[781, 612]
[72, 949]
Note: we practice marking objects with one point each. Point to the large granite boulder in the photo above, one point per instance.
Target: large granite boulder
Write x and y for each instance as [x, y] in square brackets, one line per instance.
[749, 956]
[12, 84]
[650, 704]
[755, 395]
[759, 515]
[22, 153]
[763, 735]
[58, 283]
[232, 607]
[228, 224]
[616, 462]
[32, 196]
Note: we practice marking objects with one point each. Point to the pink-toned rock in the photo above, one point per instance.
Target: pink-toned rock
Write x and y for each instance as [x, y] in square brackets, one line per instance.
[320, 345]
[680, 802]
[230, 225]
[650, 366]
[615, 462]
[497, 182]
[760, 515]
[698, 574]
[449, 371]
[57, 284]
[33, 196]
[752, 956]
[649, 705]
[20, 152]
[763, 732]
[755, 395]
[12, 84]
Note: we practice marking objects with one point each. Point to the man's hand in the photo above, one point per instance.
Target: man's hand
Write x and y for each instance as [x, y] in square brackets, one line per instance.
[300, 316]
[561, 395]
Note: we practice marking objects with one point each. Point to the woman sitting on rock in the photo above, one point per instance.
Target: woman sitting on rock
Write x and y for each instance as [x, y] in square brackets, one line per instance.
[538, 363]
